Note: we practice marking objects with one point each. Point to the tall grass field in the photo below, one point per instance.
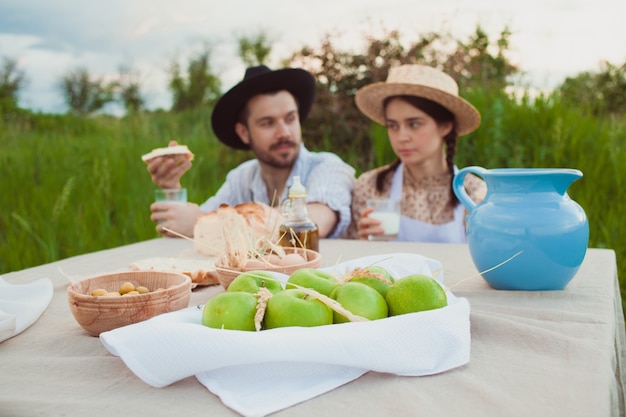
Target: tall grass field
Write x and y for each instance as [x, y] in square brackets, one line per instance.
[72, 185]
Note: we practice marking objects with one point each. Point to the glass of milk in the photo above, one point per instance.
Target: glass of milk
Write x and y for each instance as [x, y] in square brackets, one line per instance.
[178, 195]
[388, 212]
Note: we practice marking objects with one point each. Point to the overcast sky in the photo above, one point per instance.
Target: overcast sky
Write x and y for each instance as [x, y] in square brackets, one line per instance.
[551, 38]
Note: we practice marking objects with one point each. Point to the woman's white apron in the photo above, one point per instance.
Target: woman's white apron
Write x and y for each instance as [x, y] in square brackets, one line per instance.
[412, 230]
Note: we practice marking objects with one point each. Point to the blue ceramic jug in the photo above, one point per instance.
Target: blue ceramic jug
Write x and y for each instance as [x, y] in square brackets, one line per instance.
[525, 211]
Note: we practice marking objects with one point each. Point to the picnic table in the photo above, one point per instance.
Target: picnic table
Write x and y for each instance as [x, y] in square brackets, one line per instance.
[543, 353]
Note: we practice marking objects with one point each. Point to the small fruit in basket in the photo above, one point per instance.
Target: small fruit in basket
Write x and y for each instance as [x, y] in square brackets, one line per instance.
[375, 276]
[142, 289]
[359, 299]
[231, 311]
[320, 281]
[294, 307]
[415, 293]
[251, 281]
[126, 288]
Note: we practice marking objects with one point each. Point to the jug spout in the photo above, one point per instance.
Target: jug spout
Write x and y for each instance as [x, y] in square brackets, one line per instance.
[563, 178]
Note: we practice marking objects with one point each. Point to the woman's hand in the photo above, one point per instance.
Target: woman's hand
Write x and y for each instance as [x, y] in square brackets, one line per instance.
[167, 170]
[368, 225]
[181, 218]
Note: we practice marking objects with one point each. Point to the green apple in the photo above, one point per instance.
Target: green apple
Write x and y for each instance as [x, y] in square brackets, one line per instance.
[375, 276]
[294, 307]
[230, 310]
[359, 299]
[251, 281]
[415, 293]
[320, 281]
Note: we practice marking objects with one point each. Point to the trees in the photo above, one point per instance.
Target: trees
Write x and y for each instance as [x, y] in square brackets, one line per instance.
[479, 64]
[335, 122]
[84, 92]
[198, 88]
[255, 50]
[129, 89]
[12, 79]
[603, 92]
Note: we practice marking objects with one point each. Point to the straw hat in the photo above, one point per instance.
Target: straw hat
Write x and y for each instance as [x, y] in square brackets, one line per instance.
[259, 80]
[421, 81]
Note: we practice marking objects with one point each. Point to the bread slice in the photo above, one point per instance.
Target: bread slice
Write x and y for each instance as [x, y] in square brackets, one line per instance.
[201, 271]
[181, 151]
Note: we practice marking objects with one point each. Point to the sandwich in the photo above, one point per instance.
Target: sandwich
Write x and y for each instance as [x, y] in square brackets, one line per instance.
[177, 151]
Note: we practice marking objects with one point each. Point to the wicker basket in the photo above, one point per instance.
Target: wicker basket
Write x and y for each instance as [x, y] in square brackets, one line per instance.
[103, 313]
[226, 275]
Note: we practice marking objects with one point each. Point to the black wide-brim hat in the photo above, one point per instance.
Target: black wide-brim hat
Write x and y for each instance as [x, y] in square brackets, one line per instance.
[260, 80]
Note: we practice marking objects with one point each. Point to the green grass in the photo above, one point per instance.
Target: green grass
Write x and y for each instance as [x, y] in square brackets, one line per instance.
[76, 185]
[73, 186]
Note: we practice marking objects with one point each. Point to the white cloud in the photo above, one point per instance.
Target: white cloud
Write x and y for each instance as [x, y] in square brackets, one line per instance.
[146, 26]
[551, 38]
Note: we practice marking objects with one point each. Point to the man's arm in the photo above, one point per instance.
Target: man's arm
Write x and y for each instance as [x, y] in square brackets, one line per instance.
[325, 218]
[181, 218]
[329, 192]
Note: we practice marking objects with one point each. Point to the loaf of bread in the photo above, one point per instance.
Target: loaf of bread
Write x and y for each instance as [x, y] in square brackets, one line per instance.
[241, 225]
[201, 271]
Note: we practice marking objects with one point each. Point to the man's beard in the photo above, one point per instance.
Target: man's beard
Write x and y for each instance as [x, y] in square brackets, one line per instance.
[268, 159]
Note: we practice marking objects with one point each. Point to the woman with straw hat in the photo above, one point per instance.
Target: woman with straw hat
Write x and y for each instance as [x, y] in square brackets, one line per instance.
[424, 115]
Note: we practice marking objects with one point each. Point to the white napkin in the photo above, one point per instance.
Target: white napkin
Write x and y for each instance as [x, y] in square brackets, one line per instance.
[260, 373]
[21, 305]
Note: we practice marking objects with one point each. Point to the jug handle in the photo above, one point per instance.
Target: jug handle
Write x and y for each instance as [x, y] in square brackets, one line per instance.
[459, 188]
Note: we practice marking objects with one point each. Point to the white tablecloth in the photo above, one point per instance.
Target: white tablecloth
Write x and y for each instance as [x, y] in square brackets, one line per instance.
[532, 353]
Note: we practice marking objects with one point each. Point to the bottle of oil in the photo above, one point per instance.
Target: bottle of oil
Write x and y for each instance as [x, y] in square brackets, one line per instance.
[298, 230]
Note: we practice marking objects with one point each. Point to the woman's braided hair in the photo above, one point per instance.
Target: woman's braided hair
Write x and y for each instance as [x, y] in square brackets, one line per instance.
[441, 116]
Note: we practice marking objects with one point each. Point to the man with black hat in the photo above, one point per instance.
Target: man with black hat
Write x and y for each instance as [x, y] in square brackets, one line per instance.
[263, 113]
